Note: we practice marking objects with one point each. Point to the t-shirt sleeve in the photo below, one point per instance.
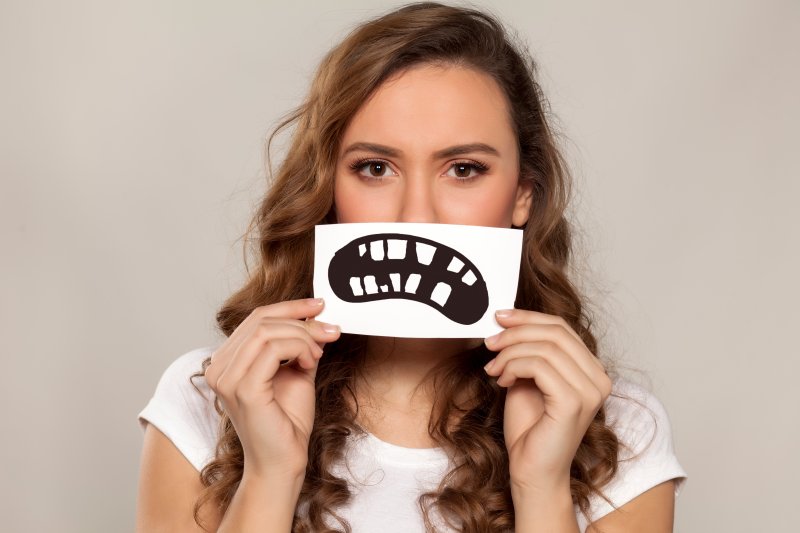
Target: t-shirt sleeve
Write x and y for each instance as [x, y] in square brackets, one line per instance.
[185, 415]
[648, 458]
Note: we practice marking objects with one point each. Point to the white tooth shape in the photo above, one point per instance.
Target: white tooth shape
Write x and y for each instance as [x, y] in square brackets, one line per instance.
[425, 253]
[384, 288]
[469, 278]
[362, 249]
[395, 281]
[376, 250]
[441, 293]
[355, 284]
[412, 283]
[397, 248]
[370, 285]
[455, 265]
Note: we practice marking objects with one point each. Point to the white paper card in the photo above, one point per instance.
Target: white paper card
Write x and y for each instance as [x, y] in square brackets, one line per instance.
[409, 279]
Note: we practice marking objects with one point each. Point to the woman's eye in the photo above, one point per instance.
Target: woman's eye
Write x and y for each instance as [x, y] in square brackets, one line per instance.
[375, 168]
[463, 171]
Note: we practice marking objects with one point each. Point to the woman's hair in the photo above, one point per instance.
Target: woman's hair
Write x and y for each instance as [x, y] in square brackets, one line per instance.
[475, 496]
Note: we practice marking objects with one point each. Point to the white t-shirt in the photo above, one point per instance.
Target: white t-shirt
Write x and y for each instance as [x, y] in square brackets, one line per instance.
[386, 479]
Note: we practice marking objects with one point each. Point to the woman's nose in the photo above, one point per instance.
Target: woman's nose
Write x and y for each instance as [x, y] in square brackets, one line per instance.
[418, 201]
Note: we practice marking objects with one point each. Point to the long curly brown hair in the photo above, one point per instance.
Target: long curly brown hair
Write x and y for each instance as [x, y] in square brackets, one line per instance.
[475, 496]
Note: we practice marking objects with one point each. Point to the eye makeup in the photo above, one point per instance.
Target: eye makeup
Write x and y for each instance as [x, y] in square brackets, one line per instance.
[480, 168]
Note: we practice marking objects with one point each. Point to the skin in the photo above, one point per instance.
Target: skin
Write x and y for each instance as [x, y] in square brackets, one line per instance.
[556, 385]
[418, 113]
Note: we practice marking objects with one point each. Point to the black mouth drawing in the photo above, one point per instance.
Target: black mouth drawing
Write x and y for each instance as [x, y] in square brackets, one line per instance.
[393, 265]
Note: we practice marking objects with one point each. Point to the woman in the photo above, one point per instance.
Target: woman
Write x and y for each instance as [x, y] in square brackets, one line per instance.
[426, 114]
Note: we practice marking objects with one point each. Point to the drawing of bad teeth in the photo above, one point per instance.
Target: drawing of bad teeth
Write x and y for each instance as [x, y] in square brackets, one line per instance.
[394, 265]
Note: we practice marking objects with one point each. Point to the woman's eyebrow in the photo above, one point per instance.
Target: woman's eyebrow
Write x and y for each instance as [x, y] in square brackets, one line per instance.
[446, 152]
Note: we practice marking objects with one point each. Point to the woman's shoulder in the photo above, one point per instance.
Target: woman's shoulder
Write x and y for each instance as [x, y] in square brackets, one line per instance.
[647, 455]
[182, 407]
[638, 417]
[178, 377]
[189, 363]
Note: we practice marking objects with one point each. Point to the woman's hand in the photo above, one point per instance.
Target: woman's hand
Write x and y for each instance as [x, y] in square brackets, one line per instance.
[546, 416]
[270, 404]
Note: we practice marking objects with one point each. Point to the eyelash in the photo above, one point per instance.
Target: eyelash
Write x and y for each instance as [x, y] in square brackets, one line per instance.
[480, 167]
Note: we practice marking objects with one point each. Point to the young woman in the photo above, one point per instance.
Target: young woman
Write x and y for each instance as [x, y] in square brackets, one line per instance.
[430, 113]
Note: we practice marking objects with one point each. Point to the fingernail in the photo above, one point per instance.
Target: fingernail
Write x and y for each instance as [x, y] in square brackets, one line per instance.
[314, 301]
[503, 313]
[330, 328]
[489, 365]
[491, 340]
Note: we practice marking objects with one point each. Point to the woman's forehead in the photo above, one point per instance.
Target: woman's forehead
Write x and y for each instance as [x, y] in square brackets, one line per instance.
[430, 107]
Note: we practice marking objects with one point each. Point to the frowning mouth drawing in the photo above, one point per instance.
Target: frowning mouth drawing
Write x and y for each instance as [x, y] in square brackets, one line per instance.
[383, 266]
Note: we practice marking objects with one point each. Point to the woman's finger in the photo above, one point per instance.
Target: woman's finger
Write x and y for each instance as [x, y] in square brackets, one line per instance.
[263, 338]
[556, 391]
[555, 333]
[296, 309]
[316, 333]
[517, 317]
[564, 363]
[260, 373]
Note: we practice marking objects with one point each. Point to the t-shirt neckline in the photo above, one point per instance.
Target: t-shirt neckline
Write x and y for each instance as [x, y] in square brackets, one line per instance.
[402, 454]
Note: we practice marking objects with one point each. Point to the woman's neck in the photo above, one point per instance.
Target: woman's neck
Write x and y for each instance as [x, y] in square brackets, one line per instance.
[396, 372]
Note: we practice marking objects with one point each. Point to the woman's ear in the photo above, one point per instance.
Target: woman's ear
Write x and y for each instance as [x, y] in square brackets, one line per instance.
[522, 205]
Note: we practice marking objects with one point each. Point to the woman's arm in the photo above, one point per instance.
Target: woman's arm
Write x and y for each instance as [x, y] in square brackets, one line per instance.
[653, 511]
[262, 504]
[168, 488]
[551, 511]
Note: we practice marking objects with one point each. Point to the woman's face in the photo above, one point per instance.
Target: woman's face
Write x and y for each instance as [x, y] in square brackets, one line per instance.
[416, 152]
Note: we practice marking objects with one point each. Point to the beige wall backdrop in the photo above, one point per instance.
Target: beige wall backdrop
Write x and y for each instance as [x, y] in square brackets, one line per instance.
[131, 156]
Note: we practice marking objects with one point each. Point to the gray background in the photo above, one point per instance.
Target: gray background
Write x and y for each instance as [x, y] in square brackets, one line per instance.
[131, 156]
